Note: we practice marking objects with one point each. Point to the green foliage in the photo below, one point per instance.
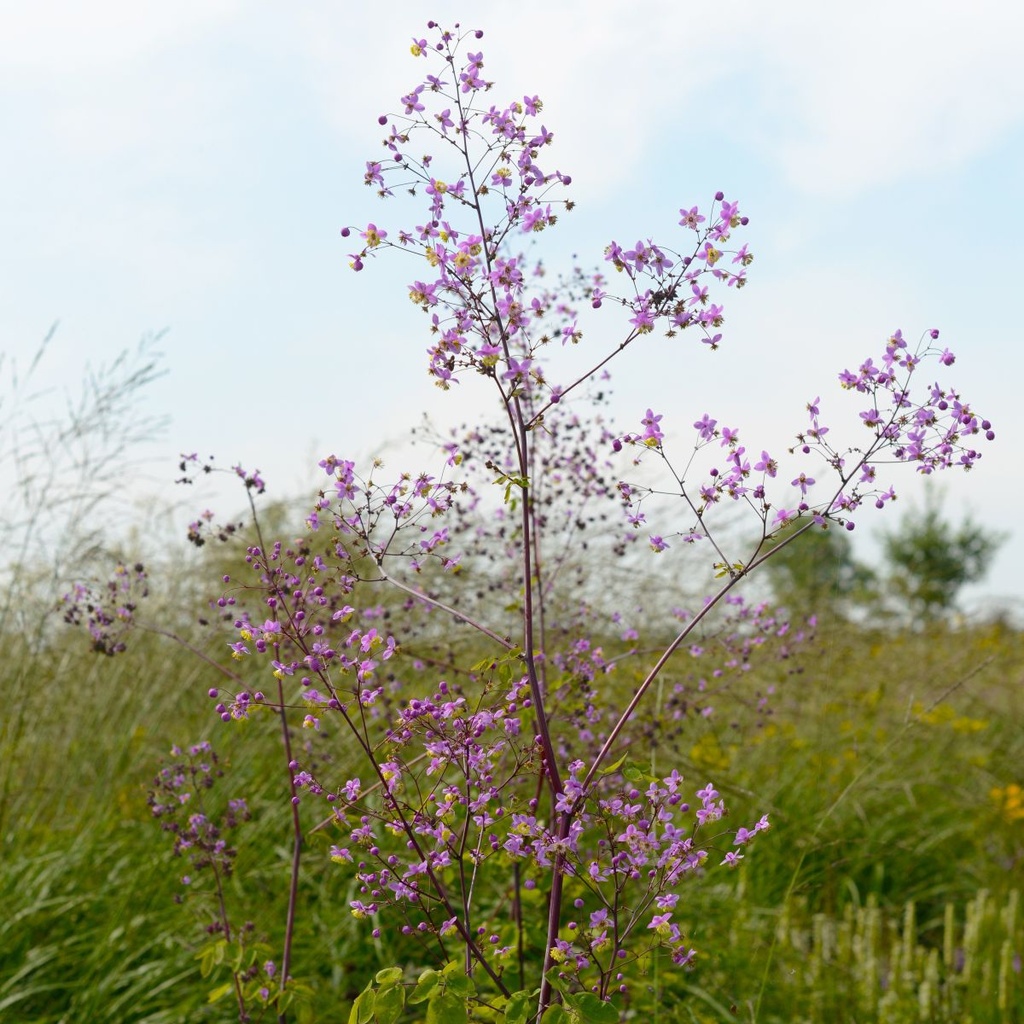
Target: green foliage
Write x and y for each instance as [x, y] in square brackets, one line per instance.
[932, 559]
[92, 928]
[890, 780]
[446, 994]
[888, 767]
[951, 962]
[929, 560]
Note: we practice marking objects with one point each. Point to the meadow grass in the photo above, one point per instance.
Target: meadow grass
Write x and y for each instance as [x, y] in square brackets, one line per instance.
[885, 892]
[890, 769]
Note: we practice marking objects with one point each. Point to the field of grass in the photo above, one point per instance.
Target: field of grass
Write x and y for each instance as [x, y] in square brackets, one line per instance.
[887, 889]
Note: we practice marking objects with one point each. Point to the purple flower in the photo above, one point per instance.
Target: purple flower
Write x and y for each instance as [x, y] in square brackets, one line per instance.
[660, 923]
[517, 369]
[803, 481]
[643, 321]
[412, 101]
[652, 435]
[766, 465]
[705, 427]
[690, 218]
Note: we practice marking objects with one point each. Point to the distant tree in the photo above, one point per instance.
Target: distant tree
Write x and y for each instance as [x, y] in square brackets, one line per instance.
[931, 559]
[818, 573]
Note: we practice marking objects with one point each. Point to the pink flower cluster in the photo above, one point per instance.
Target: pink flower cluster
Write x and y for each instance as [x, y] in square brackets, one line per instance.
[932, 429]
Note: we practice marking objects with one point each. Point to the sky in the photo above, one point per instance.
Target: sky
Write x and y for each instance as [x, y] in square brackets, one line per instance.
[186, 169]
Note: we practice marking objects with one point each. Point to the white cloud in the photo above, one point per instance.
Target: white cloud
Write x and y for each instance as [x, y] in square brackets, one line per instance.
[872, 93]
[839, 98]
[67, 38]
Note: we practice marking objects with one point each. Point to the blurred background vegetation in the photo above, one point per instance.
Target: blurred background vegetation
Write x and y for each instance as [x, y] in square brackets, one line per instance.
[889, 756]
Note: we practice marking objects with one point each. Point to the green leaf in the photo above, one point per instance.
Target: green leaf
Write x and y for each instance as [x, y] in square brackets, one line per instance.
[388, 1004]
[511, 482]
[456, 981]
[592, 1010]
[428, 981]
[612, 768]
[220, 992]
[446, 1008]
[635, 773]
[461, 986]
[362, 1008]
[211, 956]
[519, 1006]
[390, 976]
[555, 1014]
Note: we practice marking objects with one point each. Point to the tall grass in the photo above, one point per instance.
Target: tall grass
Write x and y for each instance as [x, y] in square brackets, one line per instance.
[890, 769]
[885, 891]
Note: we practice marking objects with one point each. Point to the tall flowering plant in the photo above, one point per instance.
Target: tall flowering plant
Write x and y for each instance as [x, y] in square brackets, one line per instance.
[495, 811]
